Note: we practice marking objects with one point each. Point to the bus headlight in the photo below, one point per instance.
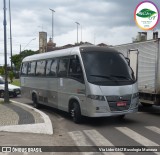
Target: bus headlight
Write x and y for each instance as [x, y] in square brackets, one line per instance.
[96, 97]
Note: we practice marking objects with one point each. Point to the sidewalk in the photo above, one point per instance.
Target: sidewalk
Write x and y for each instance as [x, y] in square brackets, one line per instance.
[19, 117]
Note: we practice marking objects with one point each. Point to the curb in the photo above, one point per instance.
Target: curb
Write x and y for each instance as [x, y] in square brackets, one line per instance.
[41, 128]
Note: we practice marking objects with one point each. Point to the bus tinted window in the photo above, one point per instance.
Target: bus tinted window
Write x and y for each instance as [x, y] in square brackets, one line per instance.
[40, 69]
[51, 67]
[63, 66]
[75, 70]
[24, 69]
[31, 68]
[107, 68]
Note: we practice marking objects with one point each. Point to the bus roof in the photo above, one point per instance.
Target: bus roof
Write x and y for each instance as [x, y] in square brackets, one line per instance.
[47, 55]
[66, 52]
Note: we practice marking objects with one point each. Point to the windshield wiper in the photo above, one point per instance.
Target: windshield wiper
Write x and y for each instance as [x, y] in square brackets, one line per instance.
[112, 77]
[104, 76]
[121, 76]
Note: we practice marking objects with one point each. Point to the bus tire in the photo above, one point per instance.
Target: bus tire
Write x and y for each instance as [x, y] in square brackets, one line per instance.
[121, 117]
[76, 112]
[146, 104]
[35, 102]
[1, 93]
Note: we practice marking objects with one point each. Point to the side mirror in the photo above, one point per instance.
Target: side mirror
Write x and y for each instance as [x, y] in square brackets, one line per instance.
[128, 60]
[133, 55]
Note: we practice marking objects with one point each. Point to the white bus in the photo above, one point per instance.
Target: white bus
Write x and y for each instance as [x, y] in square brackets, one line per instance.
[84, 81]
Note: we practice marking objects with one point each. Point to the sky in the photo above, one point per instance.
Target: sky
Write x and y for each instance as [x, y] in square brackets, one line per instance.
[101, 21]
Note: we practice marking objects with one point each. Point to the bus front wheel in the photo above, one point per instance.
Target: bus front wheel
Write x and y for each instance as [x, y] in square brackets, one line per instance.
[76, 112]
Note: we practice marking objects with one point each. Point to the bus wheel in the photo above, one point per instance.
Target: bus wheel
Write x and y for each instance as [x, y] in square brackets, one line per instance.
[121, 117]
[35, 102]
[76, 113]
[146, 104]
[2, 94]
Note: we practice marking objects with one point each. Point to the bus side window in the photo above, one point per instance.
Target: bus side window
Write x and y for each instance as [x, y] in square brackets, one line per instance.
[31, 68]
[75, 69]
[24, 69]
[40, 68]
[63, 67]
[51, 67]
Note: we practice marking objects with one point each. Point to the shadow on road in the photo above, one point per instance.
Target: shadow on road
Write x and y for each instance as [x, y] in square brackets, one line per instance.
[154, 110]
[102, 121]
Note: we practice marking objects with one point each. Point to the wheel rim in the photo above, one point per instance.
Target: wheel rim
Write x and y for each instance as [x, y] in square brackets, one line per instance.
[2, 94]
[73, 113]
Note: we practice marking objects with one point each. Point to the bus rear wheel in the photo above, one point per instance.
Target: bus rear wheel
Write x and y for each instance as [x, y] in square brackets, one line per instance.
[35, 102]
[1, 93]
[146, 104]
[76, 112]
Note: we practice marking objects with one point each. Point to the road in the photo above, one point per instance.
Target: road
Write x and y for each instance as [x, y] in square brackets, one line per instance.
[139, 129]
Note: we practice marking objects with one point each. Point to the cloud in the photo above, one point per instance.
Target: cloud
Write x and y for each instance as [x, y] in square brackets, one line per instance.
[108, 21]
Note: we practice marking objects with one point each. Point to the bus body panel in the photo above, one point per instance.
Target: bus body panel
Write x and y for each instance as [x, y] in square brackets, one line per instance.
[68, 88]
[58, 92]
[103, 108]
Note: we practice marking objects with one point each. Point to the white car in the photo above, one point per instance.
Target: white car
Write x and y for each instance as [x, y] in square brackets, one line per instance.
[13, 90]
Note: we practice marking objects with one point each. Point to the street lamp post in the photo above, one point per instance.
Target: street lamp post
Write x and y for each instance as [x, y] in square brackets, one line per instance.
[77, 30]
[27, 44]
[52, 24]
[6, 93]
[10, 32]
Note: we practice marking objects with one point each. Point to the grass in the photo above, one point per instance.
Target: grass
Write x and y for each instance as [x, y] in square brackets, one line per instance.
[2, 102]
[16, 82]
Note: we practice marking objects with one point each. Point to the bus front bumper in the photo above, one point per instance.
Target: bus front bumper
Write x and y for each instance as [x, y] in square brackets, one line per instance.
[113, 113]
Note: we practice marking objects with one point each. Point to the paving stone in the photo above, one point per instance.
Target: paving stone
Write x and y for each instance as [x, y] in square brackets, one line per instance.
[37, 117]
[8, 116]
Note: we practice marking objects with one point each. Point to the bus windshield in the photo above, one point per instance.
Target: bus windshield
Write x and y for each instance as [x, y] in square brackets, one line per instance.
[107, 68]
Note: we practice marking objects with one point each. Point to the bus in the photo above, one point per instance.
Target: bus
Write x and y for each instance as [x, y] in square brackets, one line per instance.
[87, 81]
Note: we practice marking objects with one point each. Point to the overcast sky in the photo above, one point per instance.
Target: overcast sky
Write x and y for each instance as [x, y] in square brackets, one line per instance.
[107, 21]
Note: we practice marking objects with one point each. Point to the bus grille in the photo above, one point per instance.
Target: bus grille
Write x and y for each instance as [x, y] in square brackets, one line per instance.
[113, 100]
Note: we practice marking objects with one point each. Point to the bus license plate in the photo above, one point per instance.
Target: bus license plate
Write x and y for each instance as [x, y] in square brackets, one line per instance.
[121, 104]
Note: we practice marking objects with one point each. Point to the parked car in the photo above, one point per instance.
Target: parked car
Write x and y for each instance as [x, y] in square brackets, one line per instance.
[1, 77]
[13, 90]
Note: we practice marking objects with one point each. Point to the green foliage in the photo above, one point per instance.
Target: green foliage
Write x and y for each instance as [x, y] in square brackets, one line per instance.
[11, 76]
[17, 58]
[2, 71]
[16, 82]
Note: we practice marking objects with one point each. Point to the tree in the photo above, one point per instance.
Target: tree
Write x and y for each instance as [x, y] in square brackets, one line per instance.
[2, 70]
[11, 76]
[17, 58]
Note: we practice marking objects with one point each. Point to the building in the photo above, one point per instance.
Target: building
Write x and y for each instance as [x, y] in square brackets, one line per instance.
[50, 45]
[42, 42]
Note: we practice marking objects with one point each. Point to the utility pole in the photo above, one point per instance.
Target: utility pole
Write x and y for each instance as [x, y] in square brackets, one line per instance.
[6, 93]
[77, 30]
[52, 24]
[10, 21]
[20, 48]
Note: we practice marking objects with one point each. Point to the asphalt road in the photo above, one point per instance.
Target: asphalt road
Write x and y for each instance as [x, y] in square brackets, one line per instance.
[139, 129]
